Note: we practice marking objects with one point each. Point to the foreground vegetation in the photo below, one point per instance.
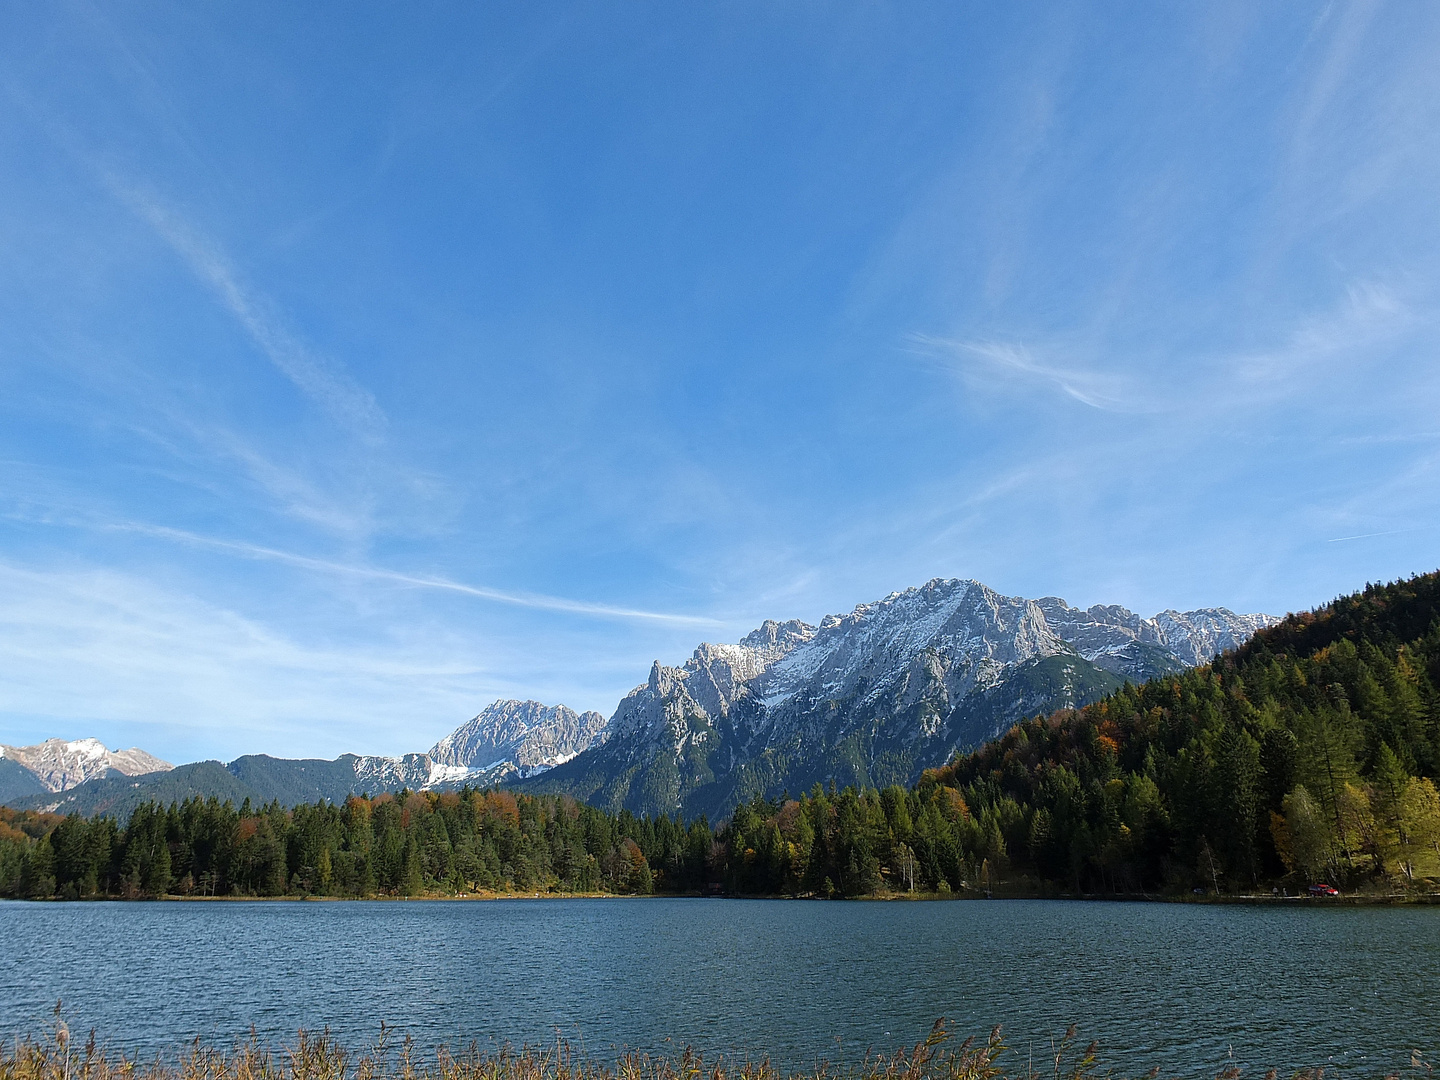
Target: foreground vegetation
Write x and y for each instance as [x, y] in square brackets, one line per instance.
[321, 1057]
[1311, 753]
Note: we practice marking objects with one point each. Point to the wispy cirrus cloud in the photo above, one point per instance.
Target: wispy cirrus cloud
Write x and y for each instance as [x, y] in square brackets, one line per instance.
[1367, 317]
[323, 380]
[90, 650]
[345, 496]
[336, 501]
[1367, 536]
[1368, 314]
[539, 601]
[1006, 362]
[40, 503]
[258, 552]
[355, 483]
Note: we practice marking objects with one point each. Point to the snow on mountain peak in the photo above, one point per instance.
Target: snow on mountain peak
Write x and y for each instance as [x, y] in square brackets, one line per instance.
[1190, 637]
[874, 695]
[1196, 636]
[963, 620]
[507, 739]
[61, 764]
[778, 637]
[527, 734]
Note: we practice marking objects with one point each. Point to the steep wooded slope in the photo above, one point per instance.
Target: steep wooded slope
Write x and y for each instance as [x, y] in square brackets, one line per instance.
[1310, 750]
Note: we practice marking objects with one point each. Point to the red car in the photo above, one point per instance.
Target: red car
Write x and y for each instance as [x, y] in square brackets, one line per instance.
[1324, 890]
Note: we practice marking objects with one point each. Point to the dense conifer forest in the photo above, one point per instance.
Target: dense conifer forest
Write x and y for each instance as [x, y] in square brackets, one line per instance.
[407, 844]
[1308, 754]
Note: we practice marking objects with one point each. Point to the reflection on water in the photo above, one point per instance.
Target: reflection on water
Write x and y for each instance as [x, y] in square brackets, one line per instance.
[1184, 987]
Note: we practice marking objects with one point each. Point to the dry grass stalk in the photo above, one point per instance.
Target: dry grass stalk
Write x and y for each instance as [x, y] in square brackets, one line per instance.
[322, 1057]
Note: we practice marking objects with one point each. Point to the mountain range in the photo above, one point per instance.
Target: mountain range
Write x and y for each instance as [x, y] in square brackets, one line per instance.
[58, 765]
[510, 739]
[872, 697]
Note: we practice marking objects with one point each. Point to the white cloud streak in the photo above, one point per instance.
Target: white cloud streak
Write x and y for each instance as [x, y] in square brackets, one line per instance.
[1367, 318]
[537, 601]
[322, 380]
[1367, 536]
[1015, 363]
[1369, 314]
[92, 651]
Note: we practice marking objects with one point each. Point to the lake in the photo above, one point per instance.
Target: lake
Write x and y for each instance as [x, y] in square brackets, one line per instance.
[1189, 988]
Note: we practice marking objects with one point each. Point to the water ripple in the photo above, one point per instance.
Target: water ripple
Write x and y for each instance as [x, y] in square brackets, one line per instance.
[1188, 988]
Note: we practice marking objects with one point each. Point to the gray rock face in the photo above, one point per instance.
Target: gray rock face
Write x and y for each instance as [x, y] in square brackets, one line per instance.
[872, 697]
[508, 739]
[957, 630]
[526, 735]
[373, 773]
[1121, 641]
[1196, 636]
[59, 764]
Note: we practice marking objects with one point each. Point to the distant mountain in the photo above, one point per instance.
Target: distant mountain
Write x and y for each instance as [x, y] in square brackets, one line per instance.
[873, 697]
[508, 739]
[58, 765]
[870, 698]
[517, 738]
[18, 782]
[118, 795]
[1122, 642]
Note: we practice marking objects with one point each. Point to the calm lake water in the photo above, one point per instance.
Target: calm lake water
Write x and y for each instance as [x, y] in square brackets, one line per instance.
[1185, 987]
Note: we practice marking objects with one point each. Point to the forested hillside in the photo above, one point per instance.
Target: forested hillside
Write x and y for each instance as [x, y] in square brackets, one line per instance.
[1309, 753]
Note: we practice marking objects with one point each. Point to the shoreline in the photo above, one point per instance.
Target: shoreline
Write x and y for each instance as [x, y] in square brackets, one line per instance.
[1243, 900]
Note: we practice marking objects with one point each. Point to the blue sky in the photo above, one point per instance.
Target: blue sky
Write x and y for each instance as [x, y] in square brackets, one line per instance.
[360, 364]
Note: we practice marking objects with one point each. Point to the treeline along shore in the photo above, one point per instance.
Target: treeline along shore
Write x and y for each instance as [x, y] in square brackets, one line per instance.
[1308, 754]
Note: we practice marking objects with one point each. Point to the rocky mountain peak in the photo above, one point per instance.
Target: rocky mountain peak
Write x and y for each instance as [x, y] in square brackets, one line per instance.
[875, 695]
[778, 637]
[60, 764]
[871, 697]
[526, 735]
[1121, 641]
[1196, 636]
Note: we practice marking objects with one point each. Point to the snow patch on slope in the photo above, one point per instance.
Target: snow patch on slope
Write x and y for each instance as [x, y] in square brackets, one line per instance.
[61, 764]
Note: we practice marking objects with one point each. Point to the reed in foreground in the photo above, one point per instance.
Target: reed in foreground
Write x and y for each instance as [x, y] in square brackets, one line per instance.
[321, 1057]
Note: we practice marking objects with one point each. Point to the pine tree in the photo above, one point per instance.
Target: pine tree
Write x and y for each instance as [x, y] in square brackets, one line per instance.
[37, 872]
[155, 869]
[324, 870]
[1329, 741]
[412, 881]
